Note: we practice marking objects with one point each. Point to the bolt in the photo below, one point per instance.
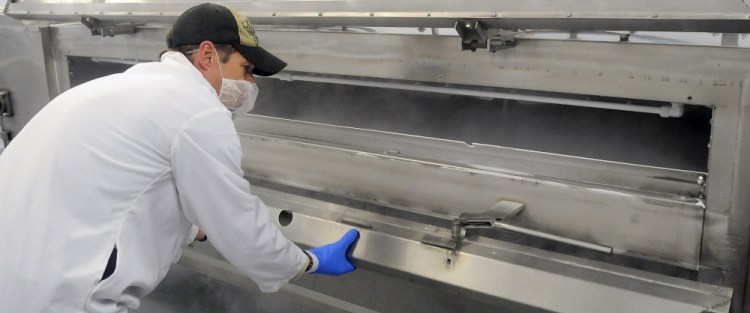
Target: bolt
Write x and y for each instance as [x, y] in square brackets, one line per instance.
[372, 14]
[655, 15]
[701, 180]
[430, 14]
[570, 14]
[494, 14]
[320, 14]
[273, 14]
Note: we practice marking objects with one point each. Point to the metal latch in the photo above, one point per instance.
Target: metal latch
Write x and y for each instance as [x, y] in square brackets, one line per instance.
[475, 35]
[106, 28]
[6, 108]
[496, 218]
[503, 40]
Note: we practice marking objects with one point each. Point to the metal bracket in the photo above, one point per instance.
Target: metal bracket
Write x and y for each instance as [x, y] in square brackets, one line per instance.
[106, 28]
[473, 34]
[496, 217]
[499, 212]
[440, 242]
[505, 39]
[6, 108]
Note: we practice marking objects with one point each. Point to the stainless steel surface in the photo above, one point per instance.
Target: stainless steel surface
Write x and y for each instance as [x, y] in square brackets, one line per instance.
[698, 215]
[545, 166]
[105, 28]
[76, 40]
[720, 16]
[23, 71]
[641, 71]
[656, 72]
[529, 277]
[667, 229]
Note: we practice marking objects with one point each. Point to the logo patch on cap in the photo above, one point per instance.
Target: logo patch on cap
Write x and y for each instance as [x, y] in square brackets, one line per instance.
[246, 29]
[251, 30]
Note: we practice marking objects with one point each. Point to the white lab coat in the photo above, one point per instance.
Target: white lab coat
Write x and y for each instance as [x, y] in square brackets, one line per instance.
[131, 160]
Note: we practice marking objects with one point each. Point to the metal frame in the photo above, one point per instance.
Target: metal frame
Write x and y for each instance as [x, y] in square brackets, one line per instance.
[721, 16]
[533, 278]
[657, 72]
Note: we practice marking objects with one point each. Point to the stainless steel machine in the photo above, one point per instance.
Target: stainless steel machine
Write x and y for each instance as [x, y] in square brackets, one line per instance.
[567, 156]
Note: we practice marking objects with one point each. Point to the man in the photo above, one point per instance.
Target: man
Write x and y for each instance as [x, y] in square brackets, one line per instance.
[101, 189]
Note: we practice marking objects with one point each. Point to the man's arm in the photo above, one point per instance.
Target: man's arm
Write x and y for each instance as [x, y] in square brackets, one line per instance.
[206, 157]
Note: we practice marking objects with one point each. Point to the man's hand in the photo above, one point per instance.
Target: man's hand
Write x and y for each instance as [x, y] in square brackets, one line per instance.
[336, 258]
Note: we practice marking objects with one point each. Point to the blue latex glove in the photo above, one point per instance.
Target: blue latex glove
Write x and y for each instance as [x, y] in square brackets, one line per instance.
[336, 258]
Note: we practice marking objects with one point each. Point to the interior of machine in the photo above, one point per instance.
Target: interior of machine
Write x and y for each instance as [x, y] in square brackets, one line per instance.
[403, 158]
[680, 143]
[611, 135]
[619, 136]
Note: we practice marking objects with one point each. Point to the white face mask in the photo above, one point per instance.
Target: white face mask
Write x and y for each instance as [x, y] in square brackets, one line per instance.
[237, 95]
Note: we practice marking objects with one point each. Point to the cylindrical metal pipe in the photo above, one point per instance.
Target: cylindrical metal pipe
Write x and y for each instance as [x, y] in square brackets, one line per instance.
[574, 242]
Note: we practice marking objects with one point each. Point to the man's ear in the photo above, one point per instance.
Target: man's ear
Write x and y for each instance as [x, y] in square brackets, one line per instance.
[204, 58]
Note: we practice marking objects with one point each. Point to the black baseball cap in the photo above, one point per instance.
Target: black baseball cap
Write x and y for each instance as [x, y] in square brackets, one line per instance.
[222, 25]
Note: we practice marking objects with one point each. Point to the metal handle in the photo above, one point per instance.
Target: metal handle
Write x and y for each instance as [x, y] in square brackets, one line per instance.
[574, 242]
